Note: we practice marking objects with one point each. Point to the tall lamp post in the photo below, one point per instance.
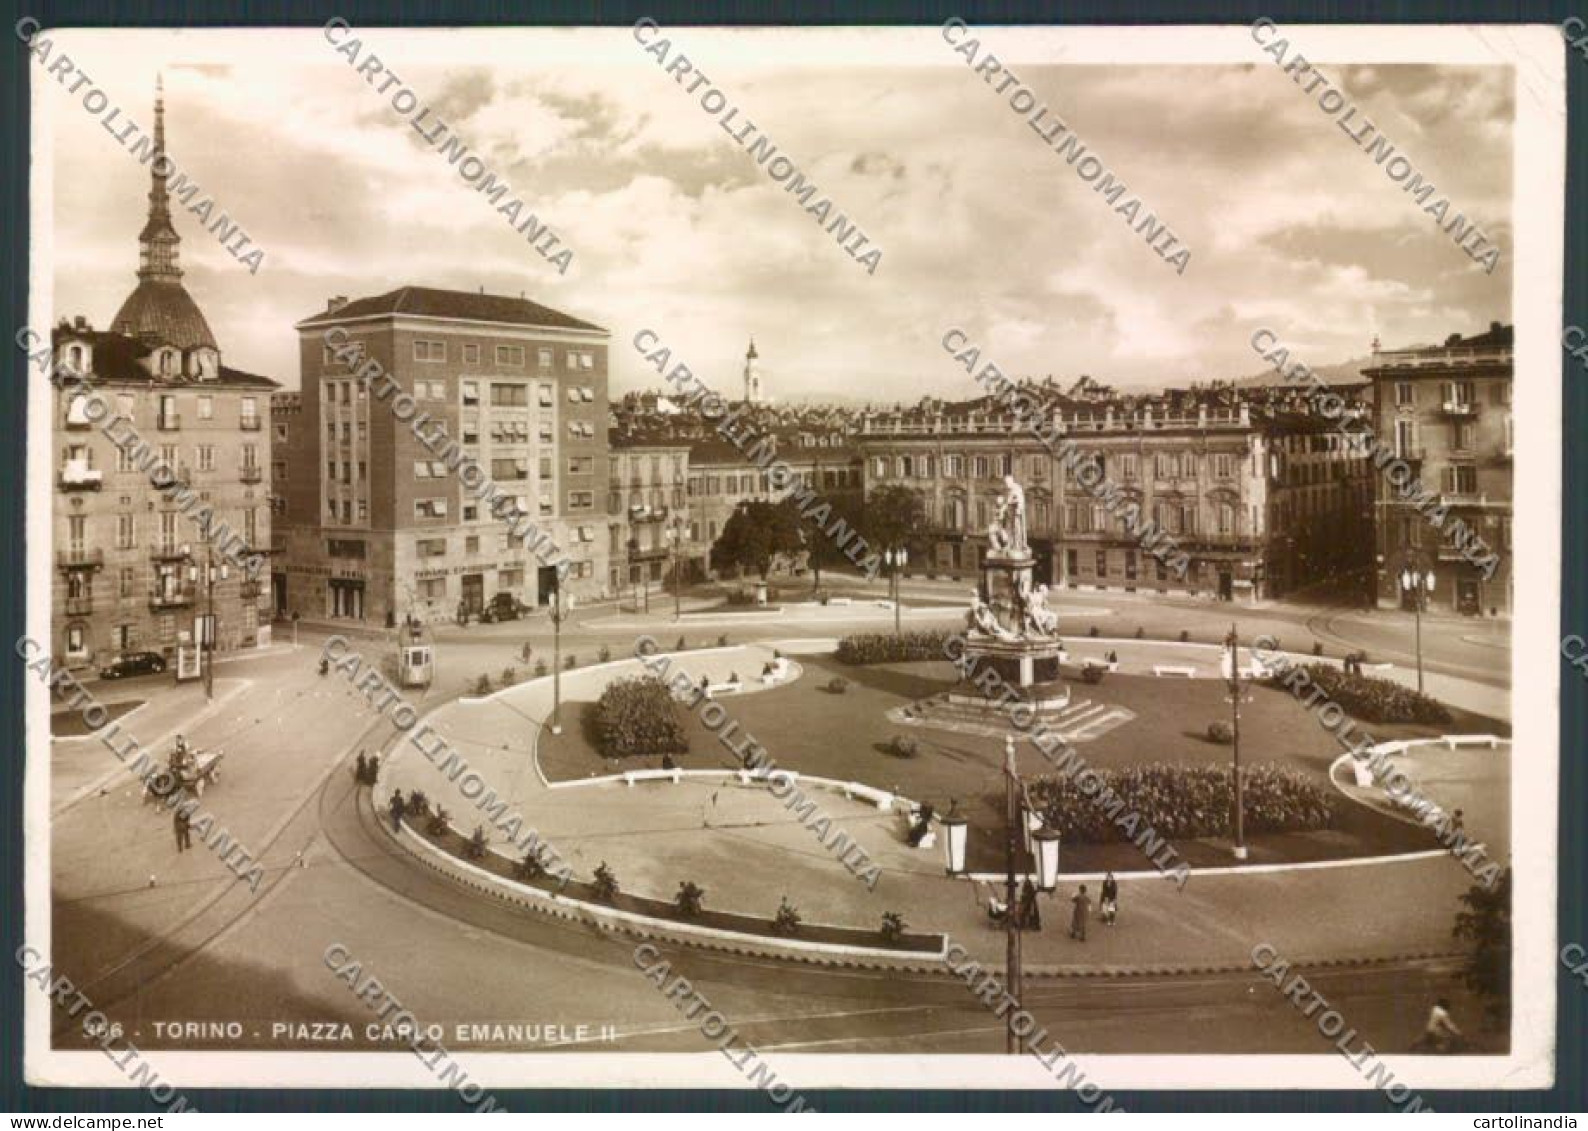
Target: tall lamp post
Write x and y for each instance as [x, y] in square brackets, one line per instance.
[557, 614]
[675, 540]
[896, 558]
[1417, 582]
[1043, 843]
[1232, 671]
[212, 573]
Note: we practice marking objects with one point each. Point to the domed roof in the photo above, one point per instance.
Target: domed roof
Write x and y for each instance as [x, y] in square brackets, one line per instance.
[163, 309]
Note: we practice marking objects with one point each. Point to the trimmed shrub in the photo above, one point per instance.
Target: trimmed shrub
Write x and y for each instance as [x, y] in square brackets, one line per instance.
[605, 883]
[540, 668]
[1091, 673]
[418, 806]
[636, 717]
[438, 822]
[681, 646]
[1140, 632]
[886, 648]
[689, 899]
[1178, 802]
[1374, 700]
[788, 918]
[1093, 631]
[477, 844]
[482, 686]
[569, 662]
[903, 747]
[1185, 637]
[1317, 648]
[892, 927]
[838, 685]
[1220, 733]
[509, 676]
[605, 654]
[530, 867]
[722, 641]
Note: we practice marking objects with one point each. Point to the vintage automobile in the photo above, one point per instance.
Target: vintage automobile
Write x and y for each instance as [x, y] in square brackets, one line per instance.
[133, 663]
[504, 606]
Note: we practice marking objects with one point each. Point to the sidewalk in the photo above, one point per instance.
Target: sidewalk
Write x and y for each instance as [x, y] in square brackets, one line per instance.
[748, 849]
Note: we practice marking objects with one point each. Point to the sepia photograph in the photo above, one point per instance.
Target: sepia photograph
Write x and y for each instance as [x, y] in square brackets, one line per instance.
[960, 556]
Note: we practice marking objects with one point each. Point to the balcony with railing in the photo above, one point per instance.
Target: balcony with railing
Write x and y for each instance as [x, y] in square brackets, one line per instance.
[80, 606]
[1458, 408]
[80, 557]
[250, 590]
[253, 474]
[249, 423]
[169, 552]
[78, 476]
[1447, 356]
[176, 598]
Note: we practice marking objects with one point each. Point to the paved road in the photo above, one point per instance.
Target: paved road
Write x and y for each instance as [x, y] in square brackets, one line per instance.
[200, 945]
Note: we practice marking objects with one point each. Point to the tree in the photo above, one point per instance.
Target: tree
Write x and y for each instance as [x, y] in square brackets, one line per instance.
[754, 535]
[893, 516]
[825, 552]
[1486, 924]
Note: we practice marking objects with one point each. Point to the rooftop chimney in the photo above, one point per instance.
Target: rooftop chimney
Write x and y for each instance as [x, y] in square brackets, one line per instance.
[80, 322]
[1494, 327]
[335, 303]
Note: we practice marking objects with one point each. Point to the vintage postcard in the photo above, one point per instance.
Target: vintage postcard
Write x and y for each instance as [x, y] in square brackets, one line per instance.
[787, 558]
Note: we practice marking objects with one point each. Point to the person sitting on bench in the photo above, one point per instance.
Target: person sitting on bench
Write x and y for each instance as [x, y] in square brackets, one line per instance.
[922, 826]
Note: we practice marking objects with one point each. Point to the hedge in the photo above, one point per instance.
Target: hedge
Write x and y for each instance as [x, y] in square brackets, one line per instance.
[636, 717]
[1181, 802]
[1373, 700]
[887, 648]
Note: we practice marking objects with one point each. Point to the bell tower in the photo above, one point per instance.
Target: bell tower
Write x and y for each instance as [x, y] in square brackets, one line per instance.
[752, 375]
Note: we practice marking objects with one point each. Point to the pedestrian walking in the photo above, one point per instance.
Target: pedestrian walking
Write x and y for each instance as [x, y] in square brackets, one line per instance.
[372, 770]
[1030, 913]
[182, 825]
[361, 771]
[397, 810]
[525, 652]
[1083, 908]
[1458, 823]
[1108, 903]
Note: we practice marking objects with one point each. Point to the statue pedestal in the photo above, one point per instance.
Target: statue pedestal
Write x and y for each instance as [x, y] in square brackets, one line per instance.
[1002, 634]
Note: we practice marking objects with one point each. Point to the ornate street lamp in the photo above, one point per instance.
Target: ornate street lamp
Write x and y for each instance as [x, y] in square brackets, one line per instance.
[1232, 672]
[1416, 582]
[896, 559]
[211, 573]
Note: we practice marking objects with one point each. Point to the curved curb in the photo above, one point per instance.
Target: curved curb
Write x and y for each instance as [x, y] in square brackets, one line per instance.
[635, 925]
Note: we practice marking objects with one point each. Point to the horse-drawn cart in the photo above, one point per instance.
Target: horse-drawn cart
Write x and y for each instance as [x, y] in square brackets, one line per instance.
[189, 771]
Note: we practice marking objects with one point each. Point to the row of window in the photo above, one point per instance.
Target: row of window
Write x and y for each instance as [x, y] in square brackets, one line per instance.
[170, 530]
[126, 405]
[508, 357]
[502, 394]
[1452, 392]
[1121, 465]
[81, 457]
[438, 547]
[1463, 435]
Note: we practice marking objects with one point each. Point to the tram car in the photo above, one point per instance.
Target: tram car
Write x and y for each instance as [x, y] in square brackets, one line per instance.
[416, 656]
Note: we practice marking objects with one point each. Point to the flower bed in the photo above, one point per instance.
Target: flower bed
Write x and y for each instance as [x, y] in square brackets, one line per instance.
[1183, 802]
[457, 845]
[1374, 700]
[887, 648]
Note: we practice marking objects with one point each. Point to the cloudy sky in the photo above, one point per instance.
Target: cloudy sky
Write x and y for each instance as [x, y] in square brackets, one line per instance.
[676, 229]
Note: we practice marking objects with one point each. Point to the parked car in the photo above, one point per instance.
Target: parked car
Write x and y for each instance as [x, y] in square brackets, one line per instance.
[504, 606]
[133, 663]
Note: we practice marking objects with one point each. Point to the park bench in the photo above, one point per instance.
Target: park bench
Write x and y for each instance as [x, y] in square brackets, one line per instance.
[727, 687]
[778, 672]
[1092, 662]
[1174, 669]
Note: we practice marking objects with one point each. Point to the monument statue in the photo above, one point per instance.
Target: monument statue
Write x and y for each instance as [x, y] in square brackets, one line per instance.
[1042, 620]
[1013, 515]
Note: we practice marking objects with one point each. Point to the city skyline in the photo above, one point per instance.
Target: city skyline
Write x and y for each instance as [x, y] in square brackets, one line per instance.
[674, 230]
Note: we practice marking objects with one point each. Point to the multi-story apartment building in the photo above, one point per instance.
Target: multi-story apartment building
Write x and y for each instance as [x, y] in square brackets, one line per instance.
[1230, 484]
[377, 526]
[648, 508]
[134, 546]
[1446, 411]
